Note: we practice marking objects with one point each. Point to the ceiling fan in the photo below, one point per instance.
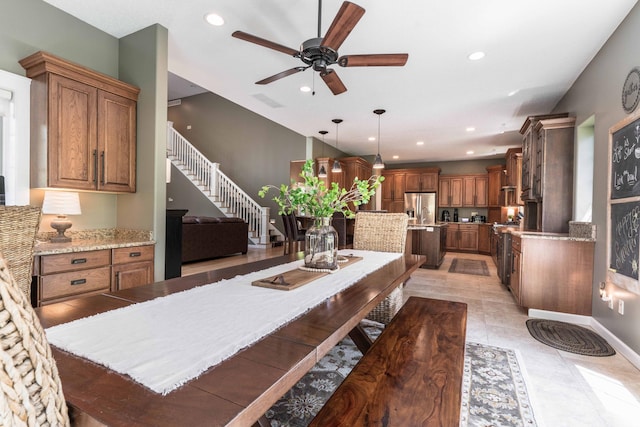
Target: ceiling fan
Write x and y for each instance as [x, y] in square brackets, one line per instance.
[322, 52]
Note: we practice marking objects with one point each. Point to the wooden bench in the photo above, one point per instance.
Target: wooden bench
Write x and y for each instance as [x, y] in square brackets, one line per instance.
[411, 375]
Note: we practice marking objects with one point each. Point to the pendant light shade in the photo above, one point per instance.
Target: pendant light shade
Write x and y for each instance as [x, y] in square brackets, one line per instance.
[378, 163]
[322, 173]
[336, 164]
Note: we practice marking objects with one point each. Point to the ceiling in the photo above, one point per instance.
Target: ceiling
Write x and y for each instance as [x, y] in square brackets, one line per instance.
[535, 49]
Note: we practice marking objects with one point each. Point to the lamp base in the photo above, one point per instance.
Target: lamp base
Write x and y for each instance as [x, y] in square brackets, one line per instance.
[61, 224]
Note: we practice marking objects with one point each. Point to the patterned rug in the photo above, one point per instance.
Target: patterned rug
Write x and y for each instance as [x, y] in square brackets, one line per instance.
[569, 337]
[469, 266]
[493, 388]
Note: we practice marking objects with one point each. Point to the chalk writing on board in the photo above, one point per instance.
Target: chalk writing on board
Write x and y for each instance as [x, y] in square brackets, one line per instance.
[625, 223]
[625, 161]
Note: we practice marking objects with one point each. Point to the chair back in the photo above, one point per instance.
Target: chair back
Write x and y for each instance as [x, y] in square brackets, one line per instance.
[30, 389]
[18, 227]
[383, 232]
[286, 225]
[339, 222]
[296, 233]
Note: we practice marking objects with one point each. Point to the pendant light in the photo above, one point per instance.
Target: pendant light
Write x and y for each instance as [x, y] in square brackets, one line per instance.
[322, 173]
[336, 164]
[378, 163]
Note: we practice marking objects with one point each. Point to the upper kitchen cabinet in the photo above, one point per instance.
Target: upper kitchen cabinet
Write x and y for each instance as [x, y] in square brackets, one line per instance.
[529, 143]
[495, 178]
[425, 179]
[513, 177]
[548, 202]
[393, 188]
[83, 127]
[450, 191]
[475, 191]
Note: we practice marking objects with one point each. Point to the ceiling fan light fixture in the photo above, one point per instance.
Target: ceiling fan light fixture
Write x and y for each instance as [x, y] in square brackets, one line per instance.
[214, 19]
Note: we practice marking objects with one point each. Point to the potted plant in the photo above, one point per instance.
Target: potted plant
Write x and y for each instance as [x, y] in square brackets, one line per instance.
[315, 199]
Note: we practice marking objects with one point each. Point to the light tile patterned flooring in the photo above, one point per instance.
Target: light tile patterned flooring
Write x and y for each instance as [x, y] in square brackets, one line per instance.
[566, 389]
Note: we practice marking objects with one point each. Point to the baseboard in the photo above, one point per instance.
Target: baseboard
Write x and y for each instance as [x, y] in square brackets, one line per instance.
[615, 342]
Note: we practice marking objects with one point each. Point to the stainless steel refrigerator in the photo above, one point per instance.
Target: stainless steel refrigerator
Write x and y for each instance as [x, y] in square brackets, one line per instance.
[421, 207]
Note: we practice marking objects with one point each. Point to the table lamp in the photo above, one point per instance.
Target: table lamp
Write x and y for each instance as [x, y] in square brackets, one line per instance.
[61, 203]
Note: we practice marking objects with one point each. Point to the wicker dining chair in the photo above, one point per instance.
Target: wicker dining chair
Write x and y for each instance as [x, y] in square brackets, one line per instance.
[18, 227]
[383, 232]
[30, 389]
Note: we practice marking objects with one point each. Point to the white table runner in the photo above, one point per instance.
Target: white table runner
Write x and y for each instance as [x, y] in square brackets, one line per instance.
[165, 342]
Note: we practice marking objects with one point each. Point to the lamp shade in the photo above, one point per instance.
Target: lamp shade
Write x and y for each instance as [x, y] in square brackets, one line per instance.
[61, 203]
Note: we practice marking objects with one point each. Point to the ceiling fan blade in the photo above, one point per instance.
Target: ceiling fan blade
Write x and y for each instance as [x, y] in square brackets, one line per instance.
[332, 80]
[263, 42]
[377, 60]
[281, 75]
[346, 19]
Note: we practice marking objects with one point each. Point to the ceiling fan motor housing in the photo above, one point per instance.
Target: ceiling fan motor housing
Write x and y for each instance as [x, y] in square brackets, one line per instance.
[320, 57]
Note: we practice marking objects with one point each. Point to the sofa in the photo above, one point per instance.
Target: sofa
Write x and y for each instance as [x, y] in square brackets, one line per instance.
[210, 237]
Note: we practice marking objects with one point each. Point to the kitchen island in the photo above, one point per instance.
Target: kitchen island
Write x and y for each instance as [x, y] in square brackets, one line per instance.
[429, 240]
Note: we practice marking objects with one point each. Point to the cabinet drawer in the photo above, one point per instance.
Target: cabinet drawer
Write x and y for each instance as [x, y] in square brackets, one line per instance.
[75, 282]
[516, 243]
[133, 254]
[74, 261]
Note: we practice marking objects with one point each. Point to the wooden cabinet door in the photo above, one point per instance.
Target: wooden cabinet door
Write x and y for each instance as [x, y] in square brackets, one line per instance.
[468, 238]
[494, 186]
[399, 187]
[481, 189]
[72, 134]
[444, 192]
[453, 234]
[412, 182]
[126, 276]
[116, 148]
[484, 239]
[514, 281]
[428, 181]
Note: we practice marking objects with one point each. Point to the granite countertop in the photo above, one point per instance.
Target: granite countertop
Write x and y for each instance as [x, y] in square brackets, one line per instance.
[424, 226]
[548, 236]
[92, 240]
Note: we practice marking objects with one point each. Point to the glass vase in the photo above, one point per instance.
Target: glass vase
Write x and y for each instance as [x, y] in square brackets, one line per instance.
[321, 245]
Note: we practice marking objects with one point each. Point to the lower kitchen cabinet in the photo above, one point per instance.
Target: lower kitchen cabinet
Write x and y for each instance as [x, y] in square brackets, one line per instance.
[553, 274]
[431, 242]
[131, 267]
[484, 238]
[462, 237]
[63, 276]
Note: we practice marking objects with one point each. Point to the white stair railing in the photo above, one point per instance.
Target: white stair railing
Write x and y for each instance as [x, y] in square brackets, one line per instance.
[208, 177]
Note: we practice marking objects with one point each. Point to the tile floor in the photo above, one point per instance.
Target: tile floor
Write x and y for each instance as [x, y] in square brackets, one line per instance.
[566, 389]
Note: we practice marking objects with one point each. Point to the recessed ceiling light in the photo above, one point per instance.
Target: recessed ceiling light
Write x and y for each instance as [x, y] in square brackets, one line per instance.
[470, 129]
[470, 152]
[395, 157]
[305, 89]
[420, 143]
[372, 138]
[513, 92]
[476, 55]
[214, 19]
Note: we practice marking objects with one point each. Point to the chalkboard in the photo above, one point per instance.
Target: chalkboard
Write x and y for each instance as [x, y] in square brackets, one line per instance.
[625, 221]
[625, 161]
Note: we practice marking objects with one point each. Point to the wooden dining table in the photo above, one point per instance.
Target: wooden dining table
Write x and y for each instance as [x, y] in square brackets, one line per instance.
[236, 392]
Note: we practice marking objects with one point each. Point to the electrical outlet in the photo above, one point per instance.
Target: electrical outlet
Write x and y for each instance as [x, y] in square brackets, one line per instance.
[620, 306]
[610, 302]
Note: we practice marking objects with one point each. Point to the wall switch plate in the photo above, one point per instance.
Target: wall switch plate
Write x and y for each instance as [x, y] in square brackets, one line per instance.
[610, 303]
[620, 306]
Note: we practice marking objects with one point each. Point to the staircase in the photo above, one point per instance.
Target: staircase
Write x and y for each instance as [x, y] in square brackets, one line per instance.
[219, 189]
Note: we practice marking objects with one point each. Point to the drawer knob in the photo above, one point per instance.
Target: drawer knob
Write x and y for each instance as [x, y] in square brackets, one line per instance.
[134, 254]
[78, 261]
[78, 282]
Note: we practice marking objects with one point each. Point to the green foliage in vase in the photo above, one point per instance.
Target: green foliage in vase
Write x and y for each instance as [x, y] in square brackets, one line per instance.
[315, 199]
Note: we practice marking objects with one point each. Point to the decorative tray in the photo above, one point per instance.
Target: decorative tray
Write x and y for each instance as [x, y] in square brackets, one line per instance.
[295, 278]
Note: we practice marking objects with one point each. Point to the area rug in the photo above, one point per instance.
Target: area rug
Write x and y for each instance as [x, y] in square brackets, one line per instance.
[569, 337]
[493, 388]
[469, 266]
